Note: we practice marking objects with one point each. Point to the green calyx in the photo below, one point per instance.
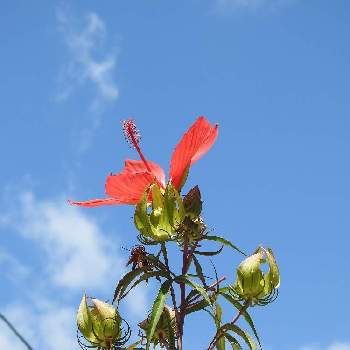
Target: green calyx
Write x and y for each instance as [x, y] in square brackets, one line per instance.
[160, 220]
[252, 283]
[100, 323]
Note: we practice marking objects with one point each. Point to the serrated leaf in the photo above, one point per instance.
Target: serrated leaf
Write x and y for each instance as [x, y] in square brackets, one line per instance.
[242, 333]
[199, 270]
[199, 305]
[245, 314]
[144, 277]
[224, 242]
[126, 280]
[157, 310]
[197, 287]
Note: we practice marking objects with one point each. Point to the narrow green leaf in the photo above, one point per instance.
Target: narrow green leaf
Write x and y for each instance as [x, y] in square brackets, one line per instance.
[245, 314]
[216, 252]
[196, 286]
[126, 280]
[144, 277]
[218, 317]
[233, 341]
[200, 305]
[199, 270]
[242, 333]
[157, 310]
[224, 242]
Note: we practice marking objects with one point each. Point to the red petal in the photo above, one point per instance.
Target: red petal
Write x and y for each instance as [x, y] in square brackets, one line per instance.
[194, 144]
[128, 188]
[138, 166]
[96, 202]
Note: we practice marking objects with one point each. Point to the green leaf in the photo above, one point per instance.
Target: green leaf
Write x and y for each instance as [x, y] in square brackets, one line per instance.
[245, 314]
[218, 317]
[233, 341]
[144, 277]
[216, 252]
[224, 242]
[196, 286]
[242, 333]
[199, 305]
[199, 270]
[157, 310]
[126, 280]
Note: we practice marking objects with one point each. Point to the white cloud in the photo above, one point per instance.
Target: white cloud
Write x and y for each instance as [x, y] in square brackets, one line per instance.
[89, 60]
[74, 254]
[77, 253]
[90, 63]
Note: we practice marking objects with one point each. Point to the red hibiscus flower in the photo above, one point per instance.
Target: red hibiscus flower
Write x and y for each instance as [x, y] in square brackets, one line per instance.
[128, 186]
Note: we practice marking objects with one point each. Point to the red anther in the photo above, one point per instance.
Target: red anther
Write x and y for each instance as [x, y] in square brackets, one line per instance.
[132, 134]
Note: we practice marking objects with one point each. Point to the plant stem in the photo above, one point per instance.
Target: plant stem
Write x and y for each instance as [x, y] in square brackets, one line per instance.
[185, 267]
[218, 333]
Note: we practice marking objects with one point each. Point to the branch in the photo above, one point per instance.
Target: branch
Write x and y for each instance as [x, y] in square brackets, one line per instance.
[14, 330]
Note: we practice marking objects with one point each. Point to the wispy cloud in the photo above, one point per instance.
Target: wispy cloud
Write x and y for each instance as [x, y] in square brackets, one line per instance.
[89, 59]
[90, 62]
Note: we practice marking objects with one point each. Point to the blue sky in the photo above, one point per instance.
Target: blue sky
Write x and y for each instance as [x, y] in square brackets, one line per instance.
[273, 73]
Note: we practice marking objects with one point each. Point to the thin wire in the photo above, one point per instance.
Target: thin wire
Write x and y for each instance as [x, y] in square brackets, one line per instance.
[14, 330]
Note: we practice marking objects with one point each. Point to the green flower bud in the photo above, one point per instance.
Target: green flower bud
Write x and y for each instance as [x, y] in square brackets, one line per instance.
[161, 219]
[165, 325]
[100, 323]
[252, 283]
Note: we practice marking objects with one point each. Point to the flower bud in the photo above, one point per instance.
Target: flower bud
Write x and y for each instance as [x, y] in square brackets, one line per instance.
[100, 323]
[193, 203]
[160, 222]
[165, 326]
[252, 283]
